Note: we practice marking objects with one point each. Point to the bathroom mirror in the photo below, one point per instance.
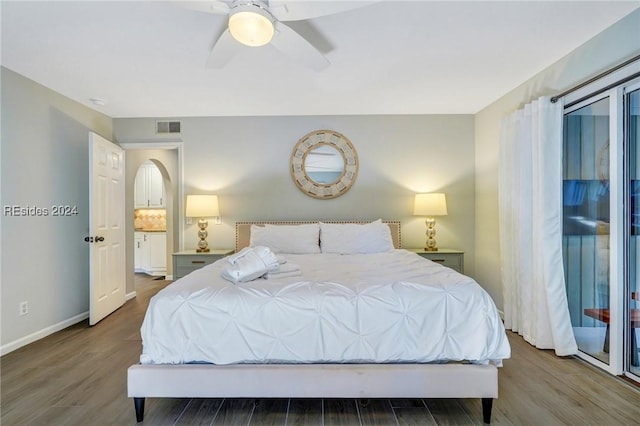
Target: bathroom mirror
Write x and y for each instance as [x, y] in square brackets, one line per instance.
[324, 164]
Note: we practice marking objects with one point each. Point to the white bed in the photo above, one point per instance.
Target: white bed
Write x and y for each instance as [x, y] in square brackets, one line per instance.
[365, 325]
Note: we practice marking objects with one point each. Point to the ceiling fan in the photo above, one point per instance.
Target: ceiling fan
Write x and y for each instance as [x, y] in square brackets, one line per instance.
[259, 22]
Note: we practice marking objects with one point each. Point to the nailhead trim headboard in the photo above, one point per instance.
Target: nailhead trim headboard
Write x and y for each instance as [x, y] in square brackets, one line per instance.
[243, 229]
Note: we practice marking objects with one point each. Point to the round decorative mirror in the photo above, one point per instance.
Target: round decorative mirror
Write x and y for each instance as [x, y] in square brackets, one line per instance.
[324, 164]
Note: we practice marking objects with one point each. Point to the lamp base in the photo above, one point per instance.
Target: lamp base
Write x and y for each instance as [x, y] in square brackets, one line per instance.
[203, 247]
[430, 244]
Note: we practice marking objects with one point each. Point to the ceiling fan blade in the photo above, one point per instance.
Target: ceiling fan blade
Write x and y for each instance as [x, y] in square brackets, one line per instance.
[218, 7]
[225, 48]
[297, 47]
[297, 10]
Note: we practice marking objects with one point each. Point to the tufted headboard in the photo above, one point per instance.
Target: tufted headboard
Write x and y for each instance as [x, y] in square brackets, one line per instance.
[243, 229]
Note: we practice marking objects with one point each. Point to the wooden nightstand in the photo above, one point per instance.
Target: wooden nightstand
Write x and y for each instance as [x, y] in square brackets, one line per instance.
[450, 258]
[188, 261]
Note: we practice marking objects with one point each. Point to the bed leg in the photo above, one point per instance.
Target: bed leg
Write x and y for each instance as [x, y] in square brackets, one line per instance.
[487, 403]
[138, 403]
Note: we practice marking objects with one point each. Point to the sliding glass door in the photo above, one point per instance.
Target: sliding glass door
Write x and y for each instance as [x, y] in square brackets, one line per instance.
[601, 227]
[586, 224]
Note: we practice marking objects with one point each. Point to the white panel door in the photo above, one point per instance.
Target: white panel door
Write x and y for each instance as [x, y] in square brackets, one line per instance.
[106, 228]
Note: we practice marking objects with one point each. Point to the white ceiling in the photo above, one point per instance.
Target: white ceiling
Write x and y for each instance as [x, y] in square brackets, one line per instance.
[147, 59]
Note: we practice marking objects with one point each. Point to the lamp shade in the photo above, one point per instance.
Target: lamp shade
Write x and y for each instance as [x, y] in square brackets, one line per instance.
[202, 206]
[251, 24]
[434, 204]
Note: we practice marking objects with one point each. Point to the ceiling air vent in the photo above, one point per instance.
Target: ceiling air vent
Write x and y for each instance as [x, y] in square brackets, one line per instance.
[167, 127]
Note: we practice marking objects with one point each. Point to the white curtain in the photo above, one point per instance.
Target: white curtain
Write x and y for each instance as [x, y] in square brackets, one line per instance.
[530, 193]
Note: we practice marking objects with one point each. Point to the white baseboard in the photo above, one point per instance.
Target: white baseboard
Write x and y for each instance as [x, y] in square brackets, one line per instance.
[129, 296]
[168, 277]
[17, 344]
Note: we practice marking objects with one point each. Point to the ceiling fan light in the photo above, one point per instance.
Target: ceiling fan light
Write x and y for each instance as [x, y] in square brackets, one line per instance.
[251, 28]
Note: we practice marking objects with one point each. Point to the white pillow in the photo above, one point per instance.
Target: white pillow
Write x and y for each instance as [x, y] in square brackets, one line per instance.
[348, 238]
[294, 239]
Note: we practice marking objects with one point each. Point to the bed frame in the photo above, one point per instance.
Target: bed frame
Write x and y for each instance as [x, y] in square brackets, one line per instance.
[454, 380]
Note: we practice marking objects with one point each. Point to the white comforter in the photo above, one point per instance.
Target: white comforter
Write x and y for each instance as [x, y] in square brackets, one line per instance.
[369, 308]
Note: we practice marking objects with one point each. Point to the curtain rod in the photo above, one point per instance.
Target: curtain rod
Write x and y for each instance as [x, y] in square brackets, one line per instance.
[598, 77]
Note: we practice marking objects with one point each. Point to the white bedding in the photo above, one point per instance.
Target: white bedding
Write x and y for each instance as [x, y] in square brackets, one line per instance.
[367, 308]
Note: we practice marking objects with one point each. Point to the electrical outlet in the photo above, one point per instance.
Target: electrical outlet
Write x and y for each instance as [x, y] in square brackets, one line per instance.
[24, 308]
[189, 221]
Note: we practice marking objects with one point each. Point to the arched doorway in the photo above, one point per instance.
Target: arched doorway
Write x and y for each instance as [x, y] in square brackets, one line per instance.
[166, 158]
[150, 200]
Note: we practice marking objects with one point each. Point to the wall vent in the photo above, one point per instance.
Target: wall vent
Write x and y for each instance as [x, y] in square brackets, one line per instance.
[167, 127]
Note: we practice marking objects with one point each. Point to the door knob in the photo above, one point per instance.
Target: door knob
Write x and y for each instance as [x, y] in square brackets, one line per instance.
[91, 239]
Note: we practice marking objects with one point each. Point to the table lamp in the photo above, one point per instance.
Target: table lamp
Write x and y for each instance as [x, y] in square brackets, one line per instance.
[433, 204]
[202, 206]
